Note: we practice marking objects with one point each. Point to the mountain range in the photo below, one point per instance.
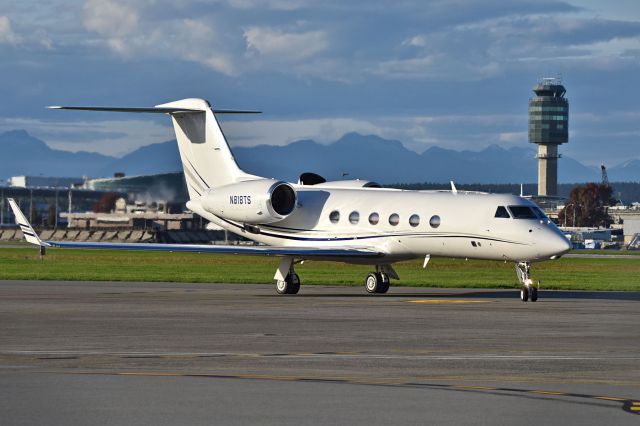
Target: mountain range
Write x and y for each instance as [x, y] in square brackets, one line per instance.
[354, 155]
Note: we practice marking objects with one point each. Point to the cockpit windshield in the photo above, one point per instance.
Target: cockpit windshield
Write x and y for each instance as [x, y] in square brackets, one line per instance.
[523, 212]
[502, 212]
[540, 213]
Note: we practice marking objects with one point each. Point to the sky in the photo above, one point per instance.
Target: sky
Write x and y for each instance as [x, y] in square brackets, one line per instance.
[453, 73]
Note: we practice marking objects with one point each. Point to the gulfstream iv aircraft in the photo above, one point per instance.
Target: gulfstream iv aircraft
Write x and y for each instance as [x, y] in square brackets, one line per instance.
[349, 221]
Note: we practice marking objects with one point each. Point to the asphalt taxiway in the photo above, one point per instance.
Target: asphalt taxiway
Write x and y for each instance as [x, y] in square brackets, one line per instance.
[167, 353]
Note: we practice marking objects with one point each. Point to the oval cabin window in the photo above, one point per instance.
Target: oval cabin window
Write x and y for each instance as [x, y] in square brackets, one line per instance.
[374, 218]
[354, 218]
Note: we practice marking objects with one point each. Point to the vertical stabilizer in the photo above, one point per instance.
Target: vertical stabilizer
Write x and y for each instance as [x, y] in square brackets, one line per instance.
[206, 157]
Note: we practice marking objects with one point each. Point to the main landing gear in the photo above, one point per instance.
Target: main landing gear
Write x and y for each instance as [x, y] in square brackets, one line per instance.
[376, 282]
[379, 281]
[288, 282]
[290, 285]
[528, 291]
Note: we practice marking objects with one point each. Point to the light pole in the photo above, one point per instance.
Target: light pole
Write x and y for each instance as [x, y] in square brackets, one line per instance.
[574, 213]
[55, 212]
[566, 208]
[31, 205]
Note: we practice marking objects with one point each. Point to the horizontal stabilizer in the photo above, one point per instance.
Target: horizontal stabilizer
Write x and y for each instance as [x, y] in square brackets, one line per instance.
[152, 110]
[126, 109]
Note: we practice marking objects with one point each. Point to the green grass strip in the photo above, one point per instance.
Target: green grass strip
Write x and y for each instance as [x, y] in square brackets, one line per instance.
[108, 265]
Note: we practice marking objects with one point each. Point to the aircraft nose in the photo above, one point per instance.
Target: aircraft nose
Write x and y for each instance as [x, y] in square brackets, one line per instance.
[560, 246]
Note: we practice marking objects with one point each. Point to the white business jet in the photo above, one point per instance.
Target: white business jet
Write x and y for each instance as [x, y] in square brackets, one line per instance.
[349, 221]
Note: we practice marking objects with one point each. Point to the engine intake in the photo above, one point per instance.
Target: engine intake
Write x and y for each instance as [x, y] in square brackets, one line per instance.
[283, 199]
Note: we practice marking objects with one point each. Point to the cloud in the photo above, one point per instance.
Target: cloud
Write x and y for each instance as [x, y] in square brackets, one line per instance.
[420, 67]
[540, 37]
[110, 17]
[439, 41]
[415, 41]
[350, 66]
[286, 5]
[7, 36]
[113, 19]
[129, 34]
[277, 44]
[197, 43]
[513, 137]
[438, 67]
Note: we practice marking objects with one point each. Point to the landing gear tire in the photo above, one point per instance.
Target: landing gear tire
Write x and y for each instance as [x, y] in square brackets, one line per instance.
[383, 287]
[524, 294]
[290, 285]
[534, 294]
[376, 282]
[371, 283]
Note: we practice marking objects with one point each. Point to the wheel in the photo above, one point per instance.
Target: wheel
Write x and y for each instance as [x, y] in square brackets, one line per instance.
[524, 294]
[534, 294]
[290, 285]
[282, 286]
[294, 288]
[371, 283]
[383, 283]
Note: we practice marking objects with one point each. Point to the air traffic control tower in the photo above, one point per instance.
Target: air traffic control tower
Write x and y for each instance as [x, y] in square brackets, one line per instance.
[548, 128]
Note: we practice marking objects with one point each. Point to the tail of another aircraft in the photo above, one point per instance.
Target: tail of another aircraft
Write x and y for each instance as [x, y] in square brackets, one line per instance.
[206, 158]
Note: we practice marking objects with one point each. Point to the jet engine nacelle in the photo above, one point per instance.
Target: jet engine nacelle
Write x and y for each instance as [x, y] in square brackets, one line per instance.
[254, 201]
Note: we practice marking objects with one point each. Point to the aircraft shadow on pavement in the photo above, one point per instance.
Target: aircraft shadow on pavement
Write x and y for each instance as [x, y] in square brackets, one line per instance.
[489, 294]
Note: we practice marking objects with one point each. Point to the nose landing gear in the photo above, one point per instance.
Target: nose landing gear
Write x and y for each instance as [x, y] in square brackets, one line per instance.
[528, 291]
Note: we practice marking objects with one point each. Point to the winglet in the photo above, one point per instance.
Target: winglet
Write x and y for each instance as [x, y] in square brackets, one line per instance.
[454, 190]
[27, 230]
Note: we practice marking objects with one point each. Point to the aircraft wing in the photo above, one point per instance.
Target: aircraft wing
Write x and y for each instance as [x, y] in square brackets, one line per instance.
[303, 252]
[276, 251]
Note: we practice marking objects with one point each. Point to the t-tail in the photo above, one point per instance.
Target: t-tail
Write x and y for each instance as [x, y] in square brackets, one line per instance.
[206, 158]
